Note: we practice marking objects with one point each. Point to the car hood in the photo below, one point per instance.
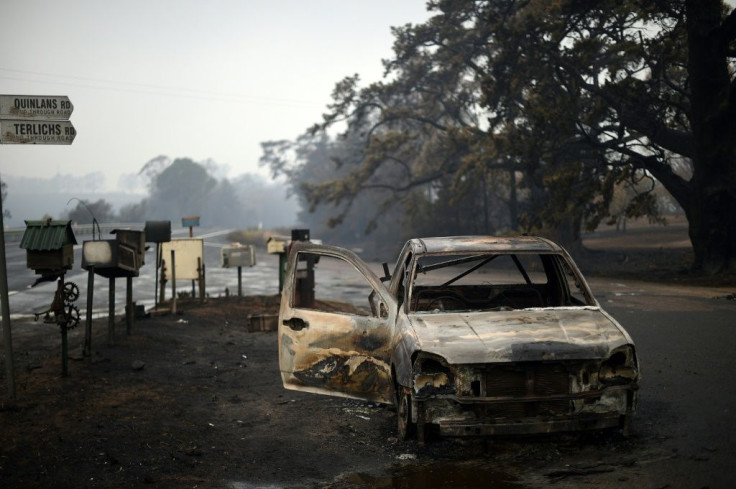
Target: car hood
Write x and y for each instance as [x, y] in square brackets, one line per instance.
[574, 333]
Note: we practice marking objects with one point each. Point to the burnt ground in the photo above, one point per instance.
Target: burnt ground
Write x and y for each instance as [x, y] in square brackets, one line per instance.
[195, 400]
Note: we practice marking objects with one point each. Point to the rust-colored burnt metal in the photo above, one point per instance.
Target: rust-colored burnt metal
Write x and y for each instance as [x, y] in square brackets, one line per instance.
[472, 335]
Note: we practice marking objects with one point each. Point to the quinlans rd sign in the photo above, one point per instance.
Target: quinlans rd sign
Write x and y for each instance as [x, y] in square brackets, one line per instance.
[36, 119]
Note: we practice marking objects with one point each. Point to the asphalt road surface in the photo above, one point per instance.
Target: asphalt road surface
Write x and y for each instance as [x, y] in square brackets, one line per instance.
[685, 339]
[26, 300]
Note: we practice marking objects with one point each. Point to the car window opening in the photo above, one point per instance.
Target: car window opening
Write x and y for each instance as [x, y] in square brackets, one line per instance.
[495, 281]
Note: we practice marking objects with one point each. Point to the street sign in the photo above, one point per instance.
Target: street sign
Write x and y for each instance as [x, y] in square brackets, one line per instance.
[36, 132]
[44, 107]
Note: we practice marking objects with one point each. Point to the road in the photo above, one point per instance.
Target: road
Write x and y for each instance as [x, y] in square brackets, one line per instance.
[685, 339]
[26, 300]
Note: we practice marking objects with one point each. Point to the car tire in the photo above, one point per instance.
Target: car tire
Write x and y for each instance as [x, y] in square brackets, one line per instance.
[407, 430]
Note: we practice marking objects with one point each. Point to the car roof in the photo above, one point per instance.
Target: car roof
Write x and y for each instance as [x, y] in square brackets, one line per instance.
[470, 244]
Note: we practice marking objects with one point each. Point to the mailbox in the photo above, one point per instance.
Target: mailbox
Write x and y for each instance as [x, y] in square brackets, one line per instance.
[110, 258]
[300, 234]
[157, 231]
[238, 255]
[276, 245]
[189, 221]
[49, 246]
[119, 257]
[189, 254]
[133, 239]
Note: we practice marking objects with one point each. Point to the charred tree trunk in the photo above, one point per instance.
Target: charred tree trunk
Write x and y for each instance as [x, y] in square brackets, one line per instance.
[567, 233]
[513, 201]
[712, 210]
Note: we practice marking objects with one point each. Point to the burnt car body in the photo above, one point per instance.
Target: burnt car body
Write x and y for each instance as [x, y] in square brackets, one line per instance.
[469, 336]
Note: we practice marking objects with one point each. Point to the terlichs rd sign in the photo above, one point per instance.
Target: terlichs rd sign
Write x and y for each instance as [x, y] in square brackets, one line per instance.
[36, 119]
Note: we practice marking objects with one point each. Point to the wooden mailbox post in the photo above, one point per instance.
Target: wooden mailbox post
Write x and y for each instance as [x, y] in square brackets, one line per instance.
[49, 249]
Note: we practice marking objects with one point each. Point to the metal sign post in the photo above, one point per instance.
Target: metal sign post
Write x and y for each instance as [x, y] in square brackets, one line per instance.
[7, 336]
[87, 350]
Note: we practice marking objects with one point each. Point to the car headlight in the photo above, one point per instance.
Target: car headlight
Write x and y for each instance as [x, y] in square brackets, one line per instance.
[432, 376]
[619, 368]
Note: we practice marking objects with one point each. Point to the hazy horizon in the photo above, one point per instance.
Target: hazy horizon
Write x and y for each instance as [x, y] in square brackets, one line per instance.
[185, 79]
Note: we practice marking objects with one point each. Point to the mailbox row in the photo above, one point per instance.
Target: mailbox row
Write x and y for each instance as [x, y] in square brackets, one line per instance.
[49, 246]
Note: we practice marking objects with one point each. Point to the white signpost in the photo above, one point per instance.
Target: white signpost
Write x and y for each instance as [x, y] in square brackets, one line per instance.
[36, 132]
[48, 107]
[36, 119]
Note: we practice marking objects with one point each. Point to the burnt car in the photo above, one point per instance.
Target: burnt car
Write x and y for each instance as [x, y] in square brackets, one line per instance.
[468, 336]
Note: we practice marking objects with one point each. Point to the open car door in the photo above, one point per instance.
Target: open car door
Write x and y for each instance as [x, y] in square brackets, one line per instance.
[328, 344]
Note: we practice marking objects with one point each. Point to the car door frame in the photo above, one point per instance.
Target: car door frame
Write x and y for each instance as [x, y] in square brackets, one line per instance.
[336, 353]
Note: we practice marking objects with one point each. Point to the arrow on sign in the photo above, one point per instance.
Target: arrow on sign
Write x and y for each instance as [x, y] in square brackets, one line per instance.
[36, 132]
[47, 107]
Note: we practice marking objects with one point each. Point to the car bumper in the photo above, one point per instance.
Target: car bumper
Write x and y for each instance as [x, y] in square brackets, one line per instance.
[531, 427]
[612, 408]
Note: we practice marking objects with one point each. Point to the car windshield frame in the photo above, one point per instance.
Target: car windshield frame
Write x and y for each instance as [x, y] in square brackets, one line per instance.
[562, 277]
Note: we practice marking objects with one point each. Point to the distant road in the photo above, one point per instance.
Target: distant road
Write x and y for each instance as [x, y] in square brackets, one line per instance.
[25, 301]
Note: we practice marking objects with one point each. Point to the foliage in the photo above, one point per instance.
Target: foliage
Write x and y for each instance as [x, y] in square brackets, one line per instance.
[184, 187]
[180, 190]
[135, 212]
[562, 101]
[85, 212]
[263, 202]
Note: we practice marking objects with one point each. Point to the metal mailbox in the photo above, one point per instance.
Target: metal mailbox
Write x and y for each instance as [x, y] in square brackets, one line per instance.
[238, 255]
[190, 221]
[158, 231]
[119, 257]
[133, 239]
[110, 258]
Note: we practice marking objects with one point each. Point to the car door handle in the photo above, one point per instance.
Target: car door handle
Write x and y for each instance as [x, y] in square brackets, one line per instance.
[297, 324]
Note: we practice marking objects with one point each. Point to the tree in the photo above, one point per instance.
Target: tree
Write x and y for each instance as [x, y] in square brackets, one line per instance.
[181, 189]
[264, 203]
[709, 197]
[222, 206]
[576, 96]
[135, 212]
[653, 85]
[85, 211]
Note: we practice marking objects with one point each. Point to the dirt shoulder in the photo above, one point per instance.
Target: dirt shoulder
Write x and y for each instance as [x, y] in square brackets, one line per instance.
[193, 399]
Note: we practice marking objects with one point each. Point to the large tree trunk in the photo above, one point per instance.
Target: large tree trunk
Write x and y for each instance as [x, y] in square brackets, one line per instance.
[567, 233]
[712, 225]
[712, 210]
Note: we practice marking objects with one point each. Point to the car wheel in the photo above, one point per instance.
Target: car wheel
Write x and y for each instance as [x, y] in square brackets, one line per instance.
[406, 428]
